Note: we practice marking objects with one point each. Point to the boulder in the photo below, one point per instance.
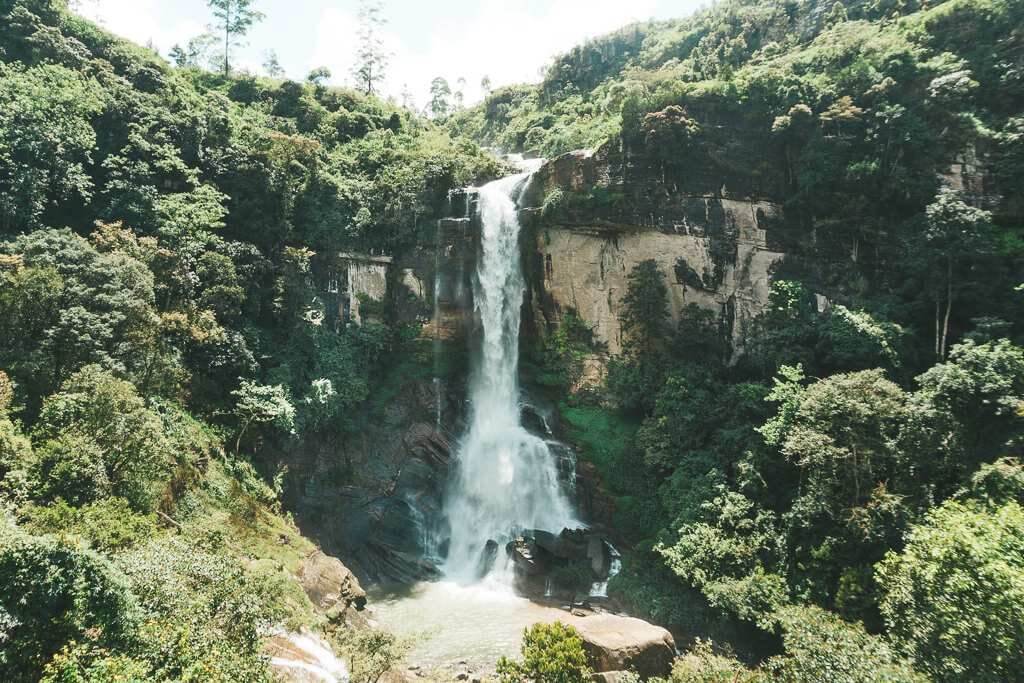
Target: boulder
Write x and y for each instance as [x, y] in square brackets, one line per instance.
[609, 676]
[615, 643]
[329, 584]
[525, 558]
[600, 558]
[570, 544]
[487, 558]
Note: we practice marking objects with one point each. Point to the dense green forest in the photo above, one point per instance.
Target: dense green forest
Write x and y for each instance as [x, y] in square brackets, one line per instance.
[845, 492]
[161, 323]
[839, 499]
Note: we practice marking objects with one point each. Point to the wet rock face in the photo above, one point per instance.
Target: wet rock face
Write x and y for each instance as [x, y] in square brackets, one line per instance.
[375, 499]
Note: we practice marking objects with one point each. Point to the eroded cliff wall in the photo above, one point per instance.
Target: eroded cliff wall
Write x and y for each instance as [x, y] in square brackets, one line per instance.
[593, 218]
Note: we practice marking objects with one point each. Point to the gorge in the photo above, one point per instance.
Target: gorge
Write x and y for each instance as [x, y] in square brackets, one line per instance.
[302, 381]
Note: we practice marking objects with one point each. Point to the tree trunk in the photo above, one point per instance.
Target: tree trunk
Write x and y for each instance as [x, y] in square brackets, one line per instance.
[238, 441]
[227, 39]
[949, 307]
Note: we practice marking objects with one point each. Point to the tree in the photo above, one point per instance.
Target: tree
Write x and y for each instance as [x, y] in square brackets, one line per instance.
[440, 92]
[644, 315]
[70, 305]
[46, 142]
[372, 58]
[196, 54]
[408, 101]
[272, 66]
[206, 612]
[234, 18]
[262, 404]
[485, 85]
[819, 646]
[980, 390]
[371, 653]
[99, 438]
[952, 599]
[460, 92]
[55, 592]
[552, 653]
[318, 76]
[956, 233]
[636, 377]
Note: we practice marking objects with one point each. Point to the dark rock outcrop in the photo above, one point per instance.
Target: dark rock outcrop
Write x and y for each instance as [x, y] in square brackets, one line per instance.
[375, 500]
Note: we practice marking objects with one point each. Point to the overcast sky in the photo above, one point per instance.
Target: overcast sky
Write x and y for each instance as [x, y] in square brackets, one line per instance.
[507, 40]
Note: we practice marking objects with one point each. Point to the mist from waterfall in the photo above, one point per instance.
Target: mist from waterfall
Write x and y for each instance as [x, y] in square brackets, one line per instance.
[506, 479]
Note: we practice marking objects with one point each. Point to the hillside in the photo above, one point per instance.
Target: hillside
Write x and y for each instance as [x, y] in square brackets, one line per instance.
[744, 357]
[166, 241]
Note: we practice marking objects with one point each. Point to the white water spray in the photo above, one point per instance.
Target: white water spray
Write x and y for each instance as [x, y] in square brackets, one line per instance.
[507, 478]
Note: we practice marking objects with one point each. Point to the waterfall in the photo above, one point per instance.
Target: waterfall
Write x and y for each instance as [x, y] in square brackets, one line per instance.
[506, 478]
[438, 382]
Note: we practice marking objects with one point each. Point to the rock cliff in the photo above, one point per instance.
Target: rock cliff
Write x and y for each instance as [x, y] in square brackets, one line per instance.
[593, 218]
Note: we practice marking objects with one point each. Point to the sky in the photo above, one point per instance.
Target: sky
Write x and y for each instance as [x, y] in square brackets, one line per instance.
[509, 41]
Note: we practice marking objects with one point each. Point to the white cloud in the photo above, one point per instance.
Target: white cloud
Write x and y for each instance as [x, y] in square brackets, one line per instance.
[497, 39]
[142, 21]
[508, 40]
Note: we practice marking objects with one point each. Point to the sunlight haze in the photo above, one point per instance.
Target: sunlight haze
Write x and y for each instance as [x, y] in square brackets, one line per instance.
[510, 42]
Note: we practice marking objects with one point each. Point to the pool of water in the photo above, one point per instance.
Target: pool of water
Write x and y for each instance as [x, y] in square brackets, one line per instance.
[455, 623]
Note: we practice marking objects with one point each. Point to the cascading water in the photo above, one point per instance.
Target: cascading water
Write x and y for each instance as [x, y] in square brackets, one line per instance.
[507, 479]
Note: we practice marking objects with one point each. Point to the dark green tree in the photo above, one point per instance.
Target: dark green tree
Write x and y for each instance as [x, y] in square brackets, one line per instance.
[951, 599]
[440, 98]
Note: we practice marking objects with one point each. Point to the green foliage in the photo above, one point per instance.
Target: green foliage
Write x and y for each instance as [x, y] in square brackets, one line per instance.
[552, 653]
[701, 664]
[951, 600]
[819, 646]
[998, 483]
[261, 404]
[46, 143]
[109, 524]
[563, 353]
[726, 557]
[371, 653]
[982, 387]
[70, 305]
[645, 307]
[55, 592]
[98, 438]
[205, 613]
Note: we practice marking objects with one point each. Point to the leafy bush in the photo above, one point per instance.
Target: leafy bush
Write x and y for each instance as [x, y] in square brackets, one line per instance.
[205, 613]
[55, 592]
[952, 598]
[552, 653]
[101, 439]
[108, 524]
[821, 647]
[371, 653]
[702, 664]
